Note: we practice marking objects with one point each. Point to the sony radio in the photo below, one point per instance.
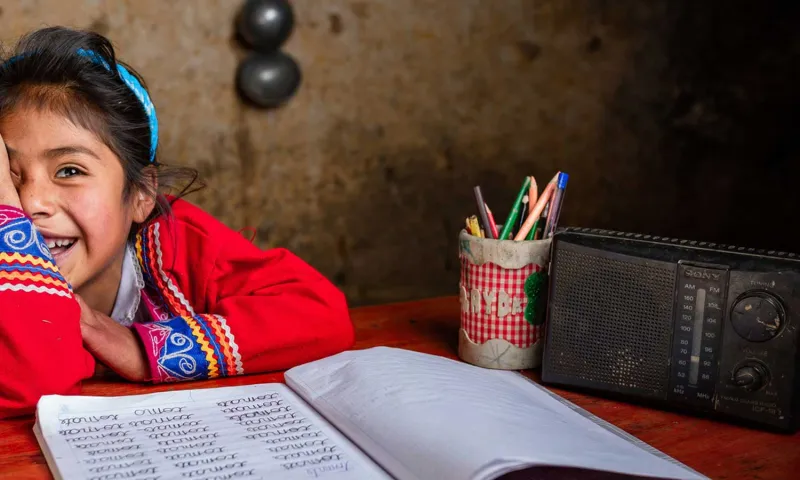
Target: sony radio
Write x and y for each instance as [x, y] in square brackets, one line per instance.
[686, 324]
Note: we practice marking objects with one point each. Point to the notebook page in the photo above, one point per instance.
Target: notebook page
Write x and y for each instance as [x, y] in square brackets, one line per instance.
[244, 432]
[422, 416]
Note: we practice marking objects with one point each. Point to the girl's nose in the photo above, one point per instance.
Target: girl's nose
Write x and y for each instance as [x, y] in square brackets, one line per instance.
[37, 198]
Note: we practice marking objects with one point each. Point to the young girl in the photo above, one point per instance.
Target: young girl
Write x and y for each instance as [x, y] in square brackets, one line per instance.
[95, 265]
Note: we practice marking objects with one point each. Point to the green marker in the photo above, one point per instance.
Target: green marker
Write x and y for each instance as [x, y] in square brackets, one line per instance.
[532, 233]
[512, 217]
[535, 228]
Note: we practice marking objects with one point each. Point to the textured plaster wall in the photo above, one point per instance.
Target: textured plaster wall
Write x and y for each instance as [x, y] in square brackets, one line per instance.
[672, 117]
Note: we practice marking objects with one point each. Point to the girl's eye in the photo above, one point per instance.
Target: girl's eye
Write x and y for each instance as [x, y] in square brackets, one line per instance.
[67, 172]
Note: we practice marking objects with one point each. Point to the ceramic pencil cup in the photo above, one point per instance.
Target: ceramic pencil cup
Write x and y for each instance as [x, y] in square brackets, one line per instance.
[503, 290]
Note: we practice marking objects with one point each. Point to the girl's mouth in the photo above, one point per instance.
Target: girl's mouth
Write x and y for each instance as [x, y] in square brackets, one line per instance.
[60, 246]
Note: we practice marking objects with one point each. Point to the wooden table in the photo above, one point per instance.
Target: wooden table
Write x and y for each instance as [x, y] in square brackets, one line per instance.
[716, 449]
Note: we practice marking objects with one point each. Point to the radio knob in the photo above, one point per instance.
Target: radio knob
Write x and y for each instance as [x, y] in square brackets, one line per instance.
[751, 376]
[757, 317]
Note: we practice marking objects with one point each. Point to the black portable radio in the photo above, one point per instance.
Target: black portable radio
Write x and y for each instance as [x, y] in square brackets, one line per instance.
[695, 325]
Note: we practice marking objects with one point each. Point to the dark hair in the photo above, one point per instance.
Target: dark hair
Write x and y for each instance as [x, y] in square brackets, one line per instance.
[46, 71]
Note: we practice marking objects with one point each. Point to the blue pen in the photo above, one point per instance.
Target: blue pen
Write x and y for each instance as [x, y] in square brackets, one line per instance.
[555, 207]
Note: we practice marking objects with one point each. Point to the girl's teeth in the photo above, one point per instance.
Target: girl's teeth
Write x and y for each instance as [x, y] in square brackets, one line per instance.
[59, 243]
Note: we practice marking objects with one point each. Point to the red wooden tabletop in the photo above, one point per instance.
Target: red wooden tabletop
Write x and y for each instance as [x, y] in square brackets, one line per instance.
[716, 449]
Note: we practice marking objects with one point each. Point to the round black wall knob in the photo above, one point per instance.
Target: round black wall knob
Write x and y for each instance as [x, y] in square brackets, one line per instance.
[265, 24]
[268, 80]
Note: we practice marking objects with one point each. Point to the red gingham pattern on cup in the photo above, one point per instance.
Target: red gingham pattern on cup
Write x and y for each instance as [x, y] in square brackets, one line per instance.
[493, 291]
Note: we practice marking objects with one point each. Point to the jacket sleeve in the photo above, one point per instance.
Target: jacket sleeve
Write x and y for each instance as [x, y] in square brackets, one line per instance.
[41, 349]
[263, 311]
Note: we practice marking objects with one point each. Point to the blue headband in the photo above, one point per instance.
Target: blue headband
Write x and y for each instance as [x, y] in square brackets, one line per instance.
[132, 83]
[137, 90]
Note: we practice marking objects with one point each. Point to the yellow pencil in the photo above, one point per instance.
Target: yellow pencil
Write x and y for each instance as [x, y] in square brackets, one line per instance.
[476, 227]
[472, 226]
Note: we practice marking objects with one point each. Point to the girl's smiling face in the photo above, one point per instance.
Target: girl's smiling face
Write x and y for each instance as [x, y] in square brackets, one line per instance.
[73, 187]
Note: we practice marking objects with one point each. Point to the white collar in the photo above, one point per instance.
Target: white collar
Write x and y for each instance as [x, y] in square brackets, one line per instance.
[129, 293]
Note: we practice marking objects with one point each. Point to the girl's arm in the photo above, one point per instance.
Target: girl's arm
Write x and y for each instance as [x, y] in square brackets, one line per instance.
[41, 351]
[263, 311]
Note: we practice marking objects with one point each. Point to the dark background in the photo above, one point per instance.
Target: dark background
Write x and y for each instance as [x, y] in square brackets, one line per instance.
[675, 118]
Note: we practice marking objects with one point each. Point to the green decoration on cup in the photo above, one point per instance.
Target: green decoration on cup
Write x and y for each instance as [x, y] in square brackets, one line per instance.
[535, 287]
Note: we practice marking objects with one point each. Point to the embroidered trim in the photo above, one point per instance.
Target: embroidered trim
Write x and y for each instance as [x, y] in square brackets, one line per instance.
[236, 365]
[207, 345]
[25, 261]
[185, 348]
[175, 353]
[20, 235]
[17, 287]
[26, 273]
[7, 214]
[173, 289]
[18, 267]
[158, 311]
[136, 268]
[31, 259]
[156, 298]
[148, 250]
[34, 278]
[188, 345]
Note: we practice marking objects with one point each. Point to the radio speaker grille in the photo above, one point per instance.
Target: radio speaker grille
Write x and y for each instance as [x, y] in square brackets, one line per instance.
[610, 324]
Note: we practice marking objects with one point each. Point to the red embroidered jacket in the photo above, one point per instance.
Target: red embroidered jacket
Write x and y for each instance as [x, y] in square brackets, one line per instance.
[221, 306]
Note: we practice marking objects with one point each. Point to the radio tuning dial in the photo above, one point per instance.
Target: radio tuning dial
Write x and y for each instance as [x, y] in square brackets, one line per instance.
[757, 317]
[751, 376]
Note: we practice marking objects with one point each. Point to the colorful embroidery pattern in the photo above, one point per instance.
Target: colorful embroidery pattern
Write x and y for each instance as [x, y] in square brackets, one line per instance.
[175, 352]
[148, 251]
[9, 214]
[233, 359]
[186, 348]
[188, 345]
[25, 261]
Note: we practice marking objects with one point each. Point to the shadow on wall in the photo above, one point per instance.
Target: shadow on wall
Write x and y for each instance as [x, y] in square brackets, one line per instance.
[698, 140]
[709, 104]
[673, 117]
[734, 122]
[409, 204]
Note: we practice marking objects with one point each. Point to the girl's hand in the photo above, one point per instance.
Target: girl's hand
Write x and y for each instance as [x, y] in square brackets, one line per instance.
[116, 346]
[8, 194]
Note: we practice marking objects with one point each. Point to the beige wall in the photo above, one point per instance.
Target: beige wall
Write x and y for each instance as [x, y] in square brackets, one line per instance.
[406, 104]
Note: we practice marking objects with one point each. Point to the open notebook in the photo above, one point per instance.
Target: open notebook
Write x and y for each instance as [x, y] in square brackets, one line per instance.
[369, 414]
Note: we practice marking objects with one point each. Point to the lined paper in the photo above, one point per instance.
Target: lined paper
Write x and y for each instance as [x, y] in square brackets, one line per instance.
[247, 432]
